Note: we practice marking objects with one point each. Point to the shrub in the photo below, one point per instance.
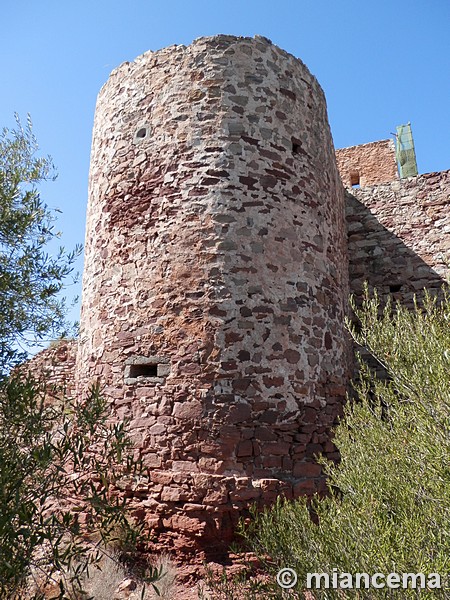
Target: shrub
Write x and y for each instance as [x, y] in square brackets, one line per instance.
[388, 506]
[58, 467]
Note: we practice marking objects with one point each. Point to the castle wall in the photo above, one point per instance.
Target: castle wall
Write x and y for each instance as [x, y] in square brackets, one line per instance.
[56, 366]
[399, 235]
[215, 278]
[367, 164]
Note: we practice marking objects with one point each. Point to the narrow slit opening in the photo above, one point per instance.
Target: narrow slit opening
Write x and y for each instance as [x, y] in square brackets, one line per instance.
[143, 371]
[354, 179]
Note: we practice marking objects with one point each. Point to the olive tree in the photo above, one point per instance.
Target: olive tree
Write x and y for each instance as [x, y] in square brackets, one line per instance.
[31, 279]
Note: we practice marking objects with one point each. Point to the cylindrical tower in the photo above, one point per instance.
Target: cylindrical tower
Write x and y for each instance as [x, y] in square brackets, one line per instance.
[216, 277]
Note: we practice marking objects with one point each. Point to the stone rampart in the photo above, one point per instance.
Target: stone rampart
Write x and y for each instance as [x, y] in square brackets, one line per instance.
[55, 366]
[215, 279]
[399, 235]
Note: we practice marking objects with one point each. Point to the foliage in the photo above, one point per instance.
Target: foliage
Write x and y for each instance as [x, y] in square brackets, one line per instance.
[58, 464]
[244, 583]
[104, 578]
[388, 506]
[31, 280]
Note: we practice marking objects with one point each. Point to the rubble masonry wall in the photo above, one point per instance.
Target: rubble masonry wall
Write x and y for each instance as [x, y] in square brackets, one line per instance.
[215, 278]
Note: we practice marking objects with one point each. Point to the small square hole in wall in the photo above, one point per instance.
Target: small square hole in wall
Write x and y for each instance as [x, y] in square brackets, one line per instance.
[146, 369]
[354, 179]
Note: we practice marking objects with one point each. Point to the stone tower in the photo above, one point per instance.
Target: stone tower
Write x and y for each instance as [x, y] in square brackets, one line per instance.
[216, 278]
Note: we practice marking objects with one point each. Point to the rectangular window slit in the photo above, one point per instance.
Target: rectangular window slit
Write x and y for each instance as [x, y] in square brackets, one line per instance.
[143, 371]
[354, 179]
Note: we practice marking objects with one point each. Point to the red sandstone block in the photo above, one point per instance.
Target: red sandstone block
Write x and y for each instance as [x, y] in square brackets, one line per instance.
[313, 449]
[309, 415]
[211, 465]
[187, 410]
[162, 477]
[184, 466]
[153, 522]
[216, 496]
[240, 385]
[143, 422]
[241, 482]
[265, 434]
[152, 460]
[292, 356]
[245, 448]
[304, 438]
[239, 412]
[273, 381]
[183, 478]
[334, 456]
[256, 449]
[268, 485]
[144, 392]
[337, 390]
[173, 494]
[248, 434]
[306, 469]
[203, 481]
[244, 495]
[186, 524]
[275, 448]
[269, 416]
[151, 503]
[287, 463]
[190, 507]
[210, 448]
[310, 427]
[329, 447]
[303, 488]
[268, 499]
[138, 514]
[286, 491]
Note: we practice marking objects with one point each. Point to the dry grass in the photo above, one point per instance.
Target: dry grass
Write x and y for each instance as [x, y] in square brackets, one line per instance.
[166, 585]
[104, 580]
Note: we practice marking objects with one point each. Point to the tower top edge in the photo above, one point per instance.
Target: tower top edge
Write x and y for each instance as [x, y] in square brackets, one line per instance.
[218, 41]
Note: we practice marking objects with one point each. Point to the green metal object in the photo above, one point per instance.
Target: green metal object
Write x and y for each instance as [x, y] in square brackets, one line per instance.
[406, 155]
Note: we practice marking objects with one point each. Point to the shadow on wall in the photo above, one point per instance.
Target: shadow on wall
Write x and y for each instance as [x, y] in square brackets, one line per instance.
[383, 259]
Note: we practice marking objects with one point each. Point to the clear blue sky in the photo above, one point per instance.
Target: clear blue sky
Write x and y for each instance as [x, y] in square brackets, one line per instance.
[380, 62]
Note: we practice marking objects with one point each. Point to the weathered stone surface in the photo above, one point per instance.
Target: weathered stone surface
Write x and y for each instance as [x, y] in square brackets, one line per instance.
[367, 164]
[56, 366]
[399, 235]
[214, 198]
